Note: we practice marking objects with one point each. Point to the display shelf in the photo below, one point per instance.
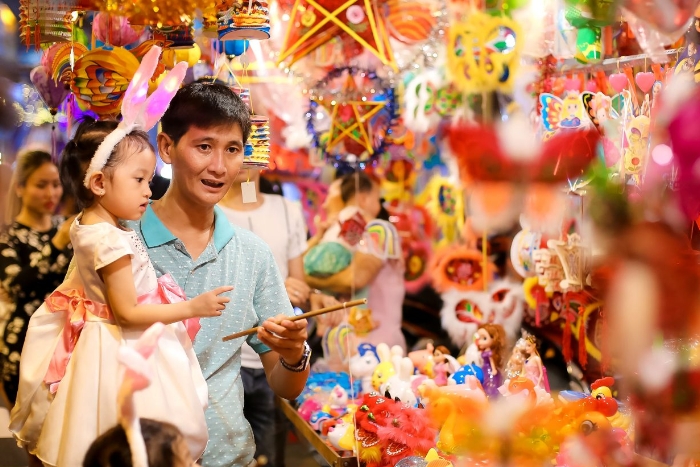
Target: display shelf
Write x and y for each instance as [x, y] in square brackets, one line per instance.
[333, 457]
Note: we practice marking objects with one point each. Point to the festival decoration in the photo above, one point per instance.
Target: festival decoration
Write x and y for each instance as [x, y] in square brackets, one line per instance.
[464, 311]
[113, 30]
[315, 22]
[51, 92]
[156, 13]
[443, 199]
[483, 52]
[257, 149]
[522, 178]
[245, 20]
[100, 78]
[411, 21]
[358, 126]
[45, 22]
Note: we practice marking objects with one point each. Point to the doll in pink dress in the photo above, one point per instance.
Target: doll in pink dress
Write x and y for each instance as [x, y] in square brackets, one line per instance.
[533, 367]
[69, 370]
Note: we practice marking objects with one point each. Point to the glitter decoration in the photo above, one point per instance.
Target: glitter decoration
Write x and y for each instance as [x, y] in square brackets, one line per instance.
[158, 13]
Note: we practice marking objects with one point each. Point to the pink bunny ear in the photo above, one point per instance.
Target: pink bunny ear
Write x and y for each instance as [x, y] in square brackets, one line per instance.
[137, 376]
[158, 102]
[137, 91]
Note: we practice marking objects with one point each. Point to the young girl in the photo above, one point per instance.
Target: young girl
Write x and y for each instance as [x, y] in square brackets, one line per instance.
[69, 371]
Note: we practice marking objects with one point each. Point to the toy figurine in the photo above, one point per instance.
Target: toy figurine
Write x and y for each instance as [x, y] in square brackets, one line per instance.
[533, 367]
[516, 363]
[491, 340]
[362, 365]
[445, 365]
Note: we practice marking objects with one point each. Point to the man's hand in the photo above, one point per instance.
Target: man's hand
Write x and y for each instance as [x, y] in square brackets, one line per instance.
[284, 337]
[298, 291]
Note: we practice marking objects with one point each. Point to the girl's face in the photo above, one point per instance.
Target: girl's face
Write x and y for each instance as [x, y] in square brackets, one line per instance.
[127, 191]
[483, 339]
[530, 348]
[42, 191]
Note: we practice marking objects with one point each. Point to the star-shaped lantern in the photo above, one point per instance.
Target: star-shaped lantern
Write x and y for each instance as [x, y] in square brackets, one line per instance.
[314, 23]
[350, 119]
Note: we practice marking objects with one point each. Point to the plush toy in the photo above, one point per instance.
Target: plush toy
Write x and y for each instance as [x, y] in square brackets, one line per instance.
[399, 385]
[363, 364]
[385, 369]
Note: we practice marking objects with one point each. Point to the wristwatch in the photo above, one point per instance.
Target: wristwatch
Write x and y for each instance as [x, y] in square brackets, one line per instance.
[303, 364]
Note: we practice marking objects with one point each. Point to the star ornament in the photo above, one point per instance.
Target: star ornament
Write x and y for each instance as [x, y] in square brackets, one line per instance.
[350, 120]
[314, 23]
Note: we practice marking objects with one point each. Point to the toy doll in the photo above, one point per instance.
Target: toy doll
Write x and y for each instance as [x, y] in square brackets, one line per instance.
[491, 340]
[533, 369]
[445, 365]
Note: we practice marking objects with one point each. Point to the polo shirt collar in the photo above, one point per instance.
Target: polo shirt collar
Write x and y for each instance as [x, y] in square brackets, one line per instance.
[155, 233]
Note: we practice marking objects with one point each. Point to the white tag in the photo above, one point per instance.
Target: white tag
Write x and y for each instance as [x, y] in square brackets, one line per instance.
[249, 193]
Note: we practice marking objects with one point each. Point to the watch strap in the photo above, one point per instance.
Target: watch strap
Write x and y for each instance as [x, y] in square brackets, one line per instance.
[303, 364]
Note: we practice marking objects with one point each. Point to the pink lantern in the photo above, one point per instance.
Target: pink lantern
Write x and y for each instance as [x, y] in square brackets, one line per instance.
[113, 30]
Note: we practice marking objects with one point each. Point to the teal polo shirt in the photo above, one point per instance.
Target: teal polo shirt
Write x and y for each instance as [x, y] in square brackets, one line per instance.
[236, 257]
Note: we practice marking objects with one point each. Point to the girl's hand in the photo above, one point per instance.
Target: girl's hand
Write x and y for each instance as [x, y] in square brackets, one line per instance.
[210, 304]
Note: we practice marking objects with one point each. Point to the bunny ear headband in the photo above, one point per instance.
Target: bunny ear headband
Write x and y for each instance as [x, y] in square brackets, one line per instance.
[137, 377]
[139, 111]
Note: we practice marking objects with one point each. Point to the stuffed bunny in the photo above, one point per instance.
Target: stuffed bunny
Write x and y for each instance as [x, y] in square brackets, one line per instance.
[400, 385]
[385, 369]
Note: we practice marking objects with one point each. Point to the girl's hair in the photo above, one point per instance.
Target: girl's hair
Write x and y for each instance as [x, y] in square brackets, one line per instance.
[27, 163]
[77, 154]
[111, 449]
[498, 335]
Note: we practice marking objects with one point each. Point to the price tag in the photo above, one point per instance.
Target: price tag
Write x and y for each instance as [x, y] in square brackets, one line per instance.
[249, 193]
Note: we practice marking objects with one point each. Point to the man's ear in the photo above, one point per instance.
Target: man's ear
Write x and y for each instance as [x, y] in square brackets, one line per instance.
[97, 183]
[165, 147]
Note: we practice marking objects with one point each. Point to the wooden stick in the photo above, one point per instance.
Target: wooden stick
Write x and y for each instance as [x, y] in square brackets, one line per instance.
[310, 314]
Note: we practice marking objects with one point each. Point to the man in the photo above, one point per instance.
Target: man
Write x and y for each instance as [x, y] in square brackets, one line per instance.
[377, 264]
[280, 223]
[203, 137]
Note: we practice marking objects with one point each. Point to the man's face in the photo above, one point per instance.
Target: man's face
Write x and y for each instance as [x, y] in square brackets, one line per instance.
[205, 162]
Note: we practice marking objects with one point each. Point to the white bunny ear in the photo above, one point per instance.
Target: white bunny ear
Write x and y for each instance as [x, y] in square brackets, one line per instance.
[397, 350]
[384, 353]
[407, 368]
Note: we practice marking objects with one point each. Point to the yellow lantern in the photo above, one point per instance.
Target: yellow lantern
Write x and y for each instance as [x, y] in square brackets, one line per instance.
[190, 55]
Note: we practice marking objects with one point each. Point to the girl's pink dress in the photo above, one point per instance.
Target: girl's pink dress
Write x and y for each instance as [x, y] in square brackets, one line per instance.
[532, 372]
[69, 373]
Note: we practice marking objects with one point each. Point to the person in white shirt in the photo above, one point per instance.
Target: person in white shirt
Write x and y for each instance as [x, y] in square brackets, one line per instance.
[280, 223]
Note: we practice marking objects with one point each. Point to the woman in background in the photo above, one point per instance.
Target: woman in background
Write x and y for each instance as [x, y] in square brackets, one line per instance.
[34, 255]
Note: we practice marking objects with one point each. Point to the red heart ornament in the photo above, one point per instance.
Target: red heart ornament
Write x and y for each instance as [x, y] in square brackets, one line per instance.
[645, 81]
[618, 81]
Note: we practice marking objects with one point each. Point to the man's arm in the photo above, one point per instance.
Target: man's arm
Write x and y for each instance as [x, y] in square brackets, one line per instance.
[360, 273]
[288, 338]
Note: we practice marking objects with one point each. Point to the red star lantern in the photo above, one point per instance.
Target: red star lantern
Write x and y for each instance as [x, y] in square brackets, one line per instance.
[314, 23]
[350, 120]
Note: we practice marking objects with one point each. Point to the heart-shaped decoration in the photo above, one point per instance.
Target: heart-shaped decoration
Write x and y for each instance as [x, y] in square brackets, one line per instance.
[618, 81]
[591, 86]
[645, 81]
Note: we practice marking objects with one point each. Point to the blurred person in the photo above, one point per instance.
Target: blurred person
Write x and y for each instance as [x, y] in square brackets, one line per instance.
[376, 265]
[280, 223]
[34, 255]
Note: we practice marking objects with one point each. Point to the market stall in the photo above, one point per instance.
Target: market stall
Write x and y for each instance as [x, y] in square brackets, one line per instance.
[538, 167]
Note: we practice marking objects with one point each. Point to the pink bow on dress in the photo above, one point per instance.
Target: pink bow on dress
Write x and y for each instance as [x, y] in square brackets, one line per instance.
[169, 292]
[77, 307]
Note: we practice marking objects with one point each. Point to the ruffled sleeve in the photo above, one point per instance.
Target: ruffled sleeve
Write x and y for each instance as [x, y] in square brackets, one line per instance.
[113, 245]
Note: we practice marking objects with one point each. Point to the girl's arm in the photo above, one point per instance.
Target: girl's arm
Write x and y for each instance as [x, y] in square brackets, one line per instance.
[122, 298]
[494, 370]
[539, 367]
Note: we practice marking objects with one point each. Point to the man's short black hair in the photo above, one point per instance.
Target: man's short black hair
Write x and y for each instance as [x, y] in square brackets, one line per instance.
[358, 182]
[205, 105]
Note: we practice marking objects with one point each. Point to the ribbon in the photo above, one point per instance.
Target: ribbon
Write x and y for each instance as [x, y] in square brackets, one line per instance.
[168, 291]
[77, 308]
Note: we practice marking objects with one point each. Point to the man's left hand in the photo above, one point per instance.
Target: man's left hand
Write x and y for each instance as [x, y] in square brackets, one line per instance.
[284, 337]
